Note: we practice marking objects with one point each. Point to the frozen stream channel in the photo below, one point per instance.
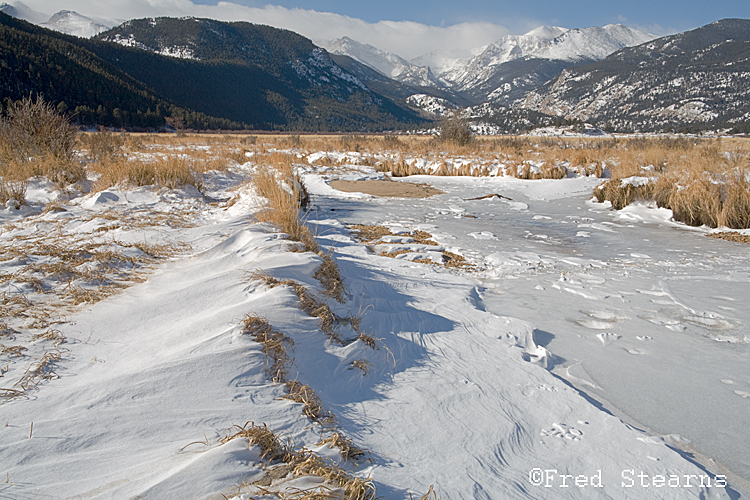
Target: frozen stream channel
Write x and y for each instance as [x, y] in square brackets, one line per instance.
[646, 316]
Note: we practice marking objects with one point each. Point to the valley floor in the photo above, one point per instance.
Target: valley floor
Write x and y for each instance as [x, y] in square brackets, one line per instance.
[577, 352]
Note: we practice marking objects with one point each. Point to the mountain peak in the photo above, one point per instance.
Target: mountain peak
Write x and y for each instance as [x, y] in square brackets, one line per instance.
[73, 23]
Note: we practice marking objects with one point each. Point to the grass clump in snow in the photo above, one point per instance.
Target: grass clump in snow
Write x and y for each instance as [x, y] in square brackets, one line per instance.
[313, 406]
[284, 202]
[338, 484]
[731, 236]
[309, 303]
[372, 234]
[275, 345]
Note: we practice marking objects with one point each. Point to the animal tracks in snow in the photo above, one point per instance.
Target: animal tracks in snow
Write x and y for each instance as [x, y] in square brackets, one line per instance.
[563, 431]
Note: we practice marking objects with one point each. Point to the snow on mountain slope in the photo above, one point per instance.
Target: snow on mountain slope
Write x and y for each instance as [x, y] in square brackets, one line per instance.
[441, 61]
[73, 23]
[20, 10]
[387, 63]
[592, 43]
[551, 43]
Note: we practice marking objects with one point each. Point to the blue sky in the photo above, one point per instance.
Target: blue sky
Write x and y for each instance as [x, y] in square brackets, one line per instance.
[520, 15]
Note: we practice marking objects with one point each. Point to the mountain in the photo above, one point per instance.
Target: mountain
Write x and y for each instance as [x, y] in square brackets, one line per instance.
[442, 61]
[516, 64]
[73, 77]
[73, 23]
[387, 63]
[692, 80]
[259, 75]
[238, 75]
[22, 11]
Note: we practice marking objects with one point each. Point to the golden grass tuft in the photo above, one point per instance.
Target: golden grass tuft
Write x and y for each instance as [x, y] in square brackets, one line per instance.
[309, 303]
[172, 172]
[329, 275]
[313, 407]
[272, 446]
[274, 344]
[348, 449]
[622, 194]
[284, 208]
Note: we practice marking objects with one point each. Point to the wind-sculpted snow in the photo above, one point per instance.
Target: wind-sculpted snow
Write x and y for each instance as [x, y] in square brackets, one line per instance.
[489, 383]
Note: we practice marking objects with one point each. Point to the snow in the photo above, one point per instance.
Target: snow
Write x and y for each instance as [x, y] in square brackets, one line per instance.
[73, 23]
[588, 354]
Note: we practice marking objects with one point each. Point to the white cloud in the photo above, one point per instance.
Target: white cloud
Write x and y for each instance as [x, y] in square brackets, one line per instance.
[405, 38]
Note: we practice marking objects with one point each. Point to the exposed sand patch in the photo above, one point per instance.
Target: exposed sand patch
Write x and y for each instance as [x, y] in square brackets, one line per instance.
[386, 188]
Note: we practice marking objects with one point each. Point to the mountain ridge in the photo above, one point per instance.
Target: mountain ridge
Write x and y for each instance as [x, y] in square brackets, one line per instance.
[696, 79]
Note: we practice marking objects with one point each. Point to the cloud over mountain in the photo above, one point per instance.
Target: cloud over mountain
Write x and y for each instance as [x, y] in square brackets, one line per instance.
[408, 39]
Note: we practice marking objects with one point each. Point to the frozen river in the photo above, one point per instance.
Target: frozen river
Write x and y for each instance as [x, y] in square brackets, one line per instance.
[647, 317]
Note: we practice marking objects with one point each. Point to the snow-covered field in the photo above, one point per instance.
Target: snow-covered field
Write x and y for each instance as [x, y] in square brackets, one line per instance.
[584, 353]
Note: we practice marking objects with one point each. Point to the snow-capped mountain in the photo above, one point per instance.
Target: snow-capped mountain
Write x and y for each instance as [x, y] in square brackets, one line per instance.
[506, 49]
[387, 63]
[502, 72]
[73, 23]
[441, 61]
[699, 77]
[65, 21]
[490, 70]
[22, 11]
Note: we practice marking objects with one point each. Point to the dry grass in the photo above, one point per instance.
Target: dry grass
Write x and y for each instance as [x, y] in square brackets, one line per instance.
[703, 182]
[329, 275]
[42, 369]
[170, 171]
[313, 406]
[369, 341]
[361, 364]
[275, 345]
[371, 234]
[309, 303]
[731, 236]
[12, 191]
[348, 449]
[273, 447]
[284, 208]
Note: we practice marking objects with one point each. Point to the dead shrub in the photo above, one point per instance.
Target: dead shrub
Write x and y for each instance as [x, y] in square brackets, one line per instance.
[34, 129]
[37, 140]
[455, 130]
[12, 191]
